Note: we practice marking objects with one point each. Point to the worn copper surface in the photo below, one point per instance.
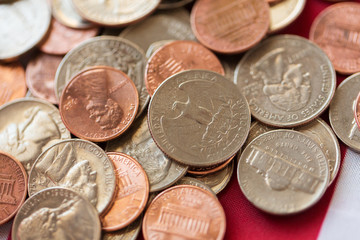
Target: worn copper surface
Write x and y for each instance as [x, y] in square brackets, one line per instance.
[210, 169]
[12, 82]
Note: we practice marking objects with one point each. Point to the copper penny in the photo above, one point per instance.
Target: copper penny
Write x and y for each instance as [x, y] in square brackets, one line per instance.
[230, 26]
[40, 76]
[209, 170]
[13, 182]
[184, 212]
[12, 82]
[132, 192]
[336, 30]
[178, 56]
[62, 39]
[99, 103]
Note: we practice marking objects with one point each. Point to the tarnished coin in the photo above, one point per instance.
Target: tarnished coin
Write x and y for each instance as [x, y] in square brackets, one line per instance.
[99, 104]
[105, 51]
[178, 56]
[137, 142]
[341, 113]
[23, 24]
[194, 182]
[287, 80]
[170, 4]
[78, 165]
[12, 82]
[56, 213]
[13, 186]
[28, 126]
[283, 172]
[184, 212]
[130, 232]
[230, 26]
[210, 169]
[336, 31]
[131, 194]
[198, 118]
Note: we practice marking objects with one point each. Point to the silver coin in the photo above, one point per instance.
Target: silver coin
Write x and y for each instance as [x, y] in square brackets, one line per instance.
[23, 24]
[59, 214]
[194, 182]
[283, 172]
[79, 165]
[170, 4]
[137, 143]
[287, 80]
[155, 46]
[28, 126]
[130, 232]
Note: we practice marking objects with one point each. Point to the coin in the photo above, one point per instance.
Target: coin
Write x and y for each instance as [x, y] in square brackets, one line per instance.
[335, 30]
[341, 113]
[56, 213]
[357, 110]
[230, 26]
[184, 212]
[137, 142]
[108, 51]
[194, 182]
[130, 232]
[155, 46]
[78, 165]
[211, 169]
[169, 4]
[287, 80]
[23, 24]
[131, 194]
[283, 172]
[13, 186]
[12, 82]
[175, 57]
[40, 75]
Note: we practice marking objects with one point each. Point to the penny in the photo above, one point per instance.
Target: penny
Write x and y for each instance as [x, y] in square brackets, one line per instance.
[341, 113]
[105, 51]
[23, 24]
[184, 212]
[155, 46]
[13, 186]
[194, 182]
[40, 75]
[137, 142]
[211, 169]
[198, 118]
[178, 56]
[230, 26]
[287, 81]
[336, 31]
[283, 172]
[130, 232]
[12, 82]
[79, 165]
[170, 4]
[68, 37]
[131, 193]
[115, 13]
[56, 213]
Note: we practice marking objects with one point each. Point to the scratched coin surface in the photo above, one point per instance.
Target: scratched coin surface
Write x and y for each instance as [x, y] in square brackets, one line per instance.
[56, 213]
[198, 118]
[178, 56]
[13, 186]
[105, 51]
[78, 165]
[23, 24]
[137, 142]
[230, 26]
[283, 172]
[287, 80]
[12, 82]
[336, 31]
[99, 104]
[184, 212]
[194, 182]
[170, 4]
[283, 13]
[130, 232]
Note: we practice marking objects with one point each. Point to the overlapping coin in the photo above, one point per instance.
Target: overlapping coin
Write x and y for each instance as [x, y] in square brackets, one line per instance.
[12, 82]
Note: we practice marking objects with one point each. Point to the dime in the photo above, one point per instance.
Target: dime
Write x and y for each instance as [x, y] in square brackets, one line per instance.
[99, 104]
[211, 169]
[283, 172]
[178, 56]
[137, 142]
[78, 165]
[108, 51]
[287, 80]
[199, 118]
[194, 182]
[230, 26]
[12, 82]
[336, 31]
[56, 213]
[13, 186]
[23, 24]
[184, 212]
[130, 232]
[170, 4]
[131, 194]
